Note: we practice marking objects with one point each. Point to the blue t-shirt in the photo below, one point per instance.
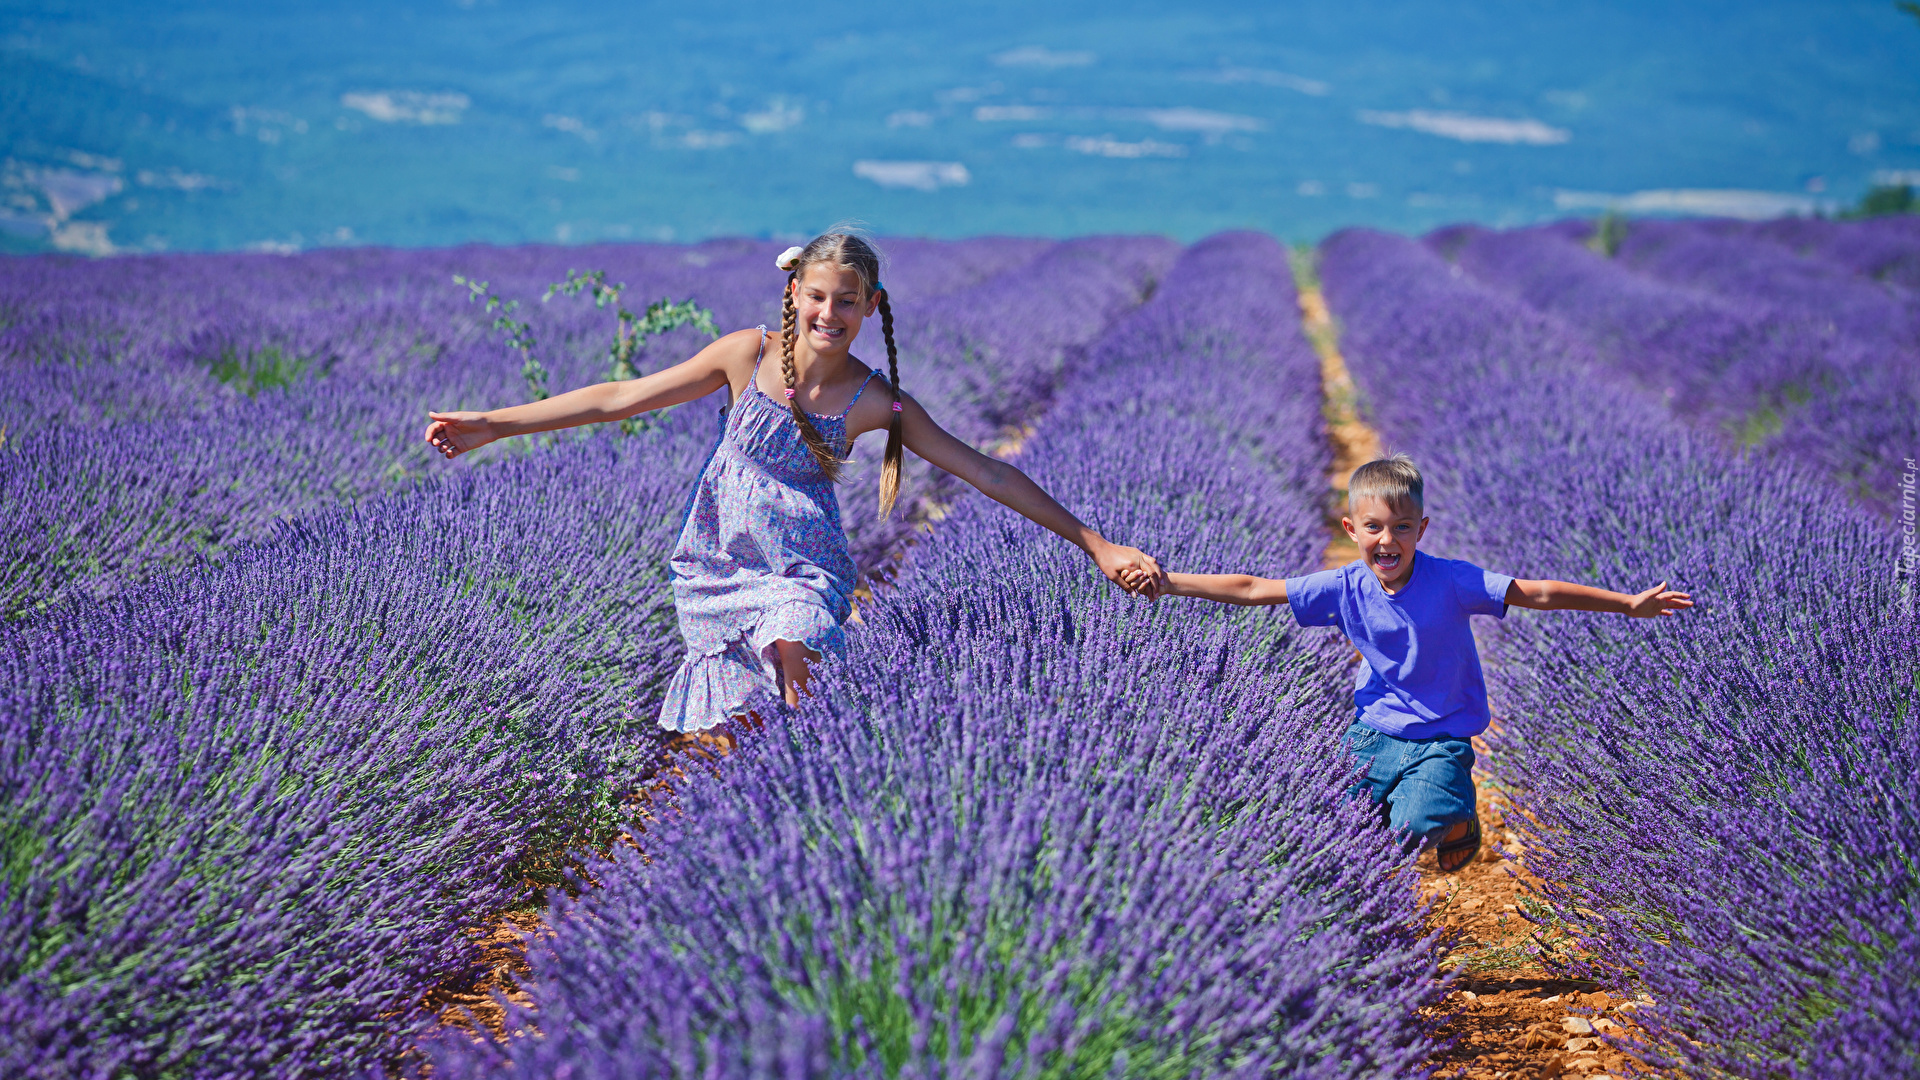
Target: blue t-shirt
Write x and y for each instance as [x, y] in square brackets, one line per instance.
[1422, 673]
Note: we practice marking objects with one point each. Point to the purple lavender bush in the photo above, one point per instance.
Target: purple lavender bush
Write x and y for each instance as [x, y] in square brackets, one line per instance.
[1735, 262]
[1722, 813]
[1775, 351]
[1885, 249]
[1030, 826]
[922, 269]
[253, 810]
[1722, 361]
[1863, 413]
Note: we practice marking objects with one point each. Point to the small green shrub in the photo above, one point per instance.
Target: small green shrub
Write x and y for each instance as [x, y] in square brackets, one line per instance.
[1608, 234]
[267, 368]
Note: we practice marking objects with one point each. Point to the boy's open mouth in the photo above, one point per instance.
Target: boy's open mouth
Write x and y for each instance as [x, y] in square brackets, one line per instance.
[1386, 560]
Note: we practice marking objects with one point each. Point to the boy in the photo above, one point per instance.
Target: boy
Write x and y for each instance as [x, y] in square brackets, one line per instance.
[1420, 697]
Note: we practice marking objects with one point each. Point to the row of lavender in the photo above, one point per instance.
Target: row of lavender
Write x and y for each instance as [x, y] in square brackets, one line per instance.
[1723, 804]
[1798, 337]
[165, 409]
[1034, 827]
[251, 809]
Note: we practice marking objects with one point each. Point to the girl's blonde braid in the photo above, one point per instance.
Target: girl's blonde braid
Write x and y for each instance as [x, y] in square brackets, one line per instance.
[827, 458]
[890, 465]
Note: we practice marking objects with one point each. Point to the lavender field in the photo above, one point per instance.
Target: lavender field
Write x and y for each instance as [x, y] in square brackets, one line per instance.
[292, 712]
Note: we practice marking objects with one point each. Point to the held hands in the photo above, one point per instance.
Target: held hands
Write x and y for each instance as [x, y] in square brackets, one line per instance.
[1139, 582]
[1658, 601]
[1131, 569]
[455, 433]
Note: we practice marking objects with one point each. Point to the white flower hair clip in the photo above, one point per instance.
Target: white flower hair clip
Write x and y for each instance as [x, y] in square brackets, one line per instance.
[789, 259]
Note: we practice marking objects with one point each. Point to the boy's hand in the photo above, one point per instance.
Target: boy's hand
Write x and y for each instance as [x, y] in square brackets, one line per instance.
[1657, 601]
[455, 433]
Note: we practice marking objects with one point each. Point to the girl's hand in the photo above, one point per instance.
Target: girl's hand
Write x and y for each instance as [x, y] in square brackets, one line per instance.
[455, 433]
[1131, 569]
[1657, 601]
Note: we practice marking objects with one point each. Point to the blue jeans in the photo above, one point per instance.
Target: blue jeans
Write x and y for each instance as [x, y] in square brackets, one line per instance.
[1422, 786]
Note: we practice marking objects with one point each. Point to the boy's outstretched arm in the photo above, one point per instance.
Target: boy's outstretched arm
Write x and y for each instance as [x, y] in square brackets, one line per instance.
[1566, 596]
[1226, 588]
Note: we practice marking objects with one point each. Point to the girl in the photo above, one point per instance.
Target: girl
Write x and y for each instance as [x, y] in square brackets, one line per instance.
[762, 578]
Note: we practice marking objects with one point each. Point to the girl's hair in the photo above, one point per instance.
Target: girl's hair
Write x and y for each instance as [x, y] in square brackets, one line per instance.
[846, 251]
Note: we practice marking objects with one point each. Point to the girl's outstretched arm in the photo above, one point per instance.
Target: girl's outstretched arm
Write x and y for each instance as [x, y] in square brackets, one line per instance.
[455, 433]
[1567, 596]
[1007, 485]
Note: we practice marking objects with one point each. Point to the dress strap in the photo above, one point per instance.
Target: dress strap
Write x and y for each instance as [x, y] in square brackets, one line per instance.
[871, 375]
[762, 354]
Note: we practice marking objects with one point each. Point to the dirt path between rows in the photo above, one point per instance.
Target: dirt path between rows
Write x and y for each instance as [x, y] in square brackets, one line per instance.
[471, 1003]
[1507, 1017]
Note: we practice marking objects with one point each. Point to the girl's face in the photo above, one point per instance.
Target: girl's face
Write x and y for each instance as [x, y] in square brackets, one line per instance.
[828, 307]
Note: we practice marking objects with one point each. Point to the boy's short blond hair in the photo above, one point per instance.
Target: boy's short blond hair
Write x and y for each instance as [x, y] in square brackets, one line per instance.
[1394, 478]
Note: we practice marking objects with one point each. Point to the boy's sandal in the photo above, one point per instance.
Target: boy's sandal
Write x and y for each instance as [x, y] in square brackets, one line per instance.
[1469, 843]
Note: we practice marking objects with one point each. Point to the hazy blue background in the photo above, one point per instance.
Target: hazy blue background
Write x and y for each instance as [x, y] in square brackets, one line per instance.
[160, 125]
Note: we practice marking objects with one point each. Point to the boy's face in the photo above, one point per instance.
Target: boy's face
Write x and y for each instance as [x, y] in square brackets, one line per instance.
[1386, 533]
